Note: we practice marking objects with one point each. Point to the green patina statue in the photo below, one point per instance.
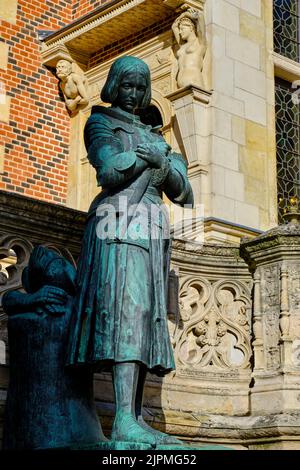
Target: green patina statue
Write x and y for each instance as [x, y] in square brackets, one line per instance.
[48, 405]
[120, 312]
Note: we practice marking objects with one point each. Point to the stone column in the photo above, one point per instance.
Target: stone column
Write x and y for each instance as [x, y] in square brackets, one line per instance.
[193, 118]
[274, 258]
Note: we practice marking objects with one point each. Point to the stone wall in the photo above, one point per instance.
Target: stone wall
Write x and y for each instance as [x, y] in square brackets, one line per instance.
[243, 161]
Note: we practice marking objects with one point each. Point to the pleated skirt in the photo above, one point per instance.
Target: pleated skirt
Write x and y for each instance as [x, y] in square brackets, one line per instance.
[120, 311]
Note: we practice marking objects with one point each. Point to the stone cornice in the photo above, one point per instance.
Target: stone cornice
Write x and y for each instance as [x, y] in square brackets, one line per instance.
[285, 68]
[109, 23]
[38, 220]
[214, 258]
[282, 242]
[90, 21]
[193, 91]
[289, 233]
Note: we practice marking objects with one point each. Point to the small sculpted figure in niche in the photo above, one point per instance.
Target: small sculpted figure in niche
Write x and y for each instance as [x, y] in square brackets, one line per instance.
[120, 312]
[47, 405]
[72, 85]
[190, 34]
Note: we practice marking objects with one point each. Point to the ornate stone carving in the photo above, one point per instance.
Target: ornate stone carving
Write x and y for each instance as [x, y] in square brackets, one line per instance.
[163, 86]
[22, 249]
[214, 328]
[190, 34]
[163, 56]
[270, 285]
[73, 86]
[257, 323]
[270, 288]
[284, 321]
[294, 287]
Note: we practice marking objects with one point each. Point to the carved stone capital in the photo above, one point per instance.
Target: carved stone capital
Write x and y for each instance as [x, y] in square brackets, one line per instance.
[190, 105]
[190, 94]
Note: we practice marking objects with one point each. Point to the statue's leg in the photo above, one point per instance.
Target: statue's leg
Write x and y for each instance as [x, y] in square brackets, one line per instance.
[126, 427]
[160, 437]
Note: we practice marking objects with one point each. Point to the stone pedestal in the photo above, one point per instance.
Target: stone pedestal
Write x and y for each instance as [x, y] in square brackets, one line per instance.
[48, 405]
[274, 258]
[192, 116]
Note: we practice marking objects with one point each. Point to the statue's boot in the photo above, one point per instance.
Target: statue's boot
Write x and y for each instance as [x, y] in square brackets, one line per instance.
[161, 438]
[127, 429]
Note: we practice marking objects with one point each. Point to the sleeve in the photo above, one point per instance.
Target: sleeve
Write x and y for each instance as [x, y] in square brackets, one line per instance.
[106, 153]
[15, 302]
[177, 186]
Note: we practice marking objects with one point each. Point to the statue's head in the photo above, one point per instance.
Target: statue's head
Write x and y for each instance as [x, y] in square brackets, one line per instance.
[128, 84]
[63, 69]
[48, 268]
[186, 27]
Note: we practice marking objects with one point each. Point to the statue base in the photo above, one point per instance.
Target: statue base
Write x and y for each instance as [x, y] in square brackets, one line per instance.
[122, 445]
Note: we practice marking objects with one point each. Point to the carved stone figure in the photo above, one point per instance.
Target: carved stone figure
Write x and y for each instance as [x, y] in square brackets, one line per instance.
[120, 316]
[47, 405]
[190, 34]
[72, 85]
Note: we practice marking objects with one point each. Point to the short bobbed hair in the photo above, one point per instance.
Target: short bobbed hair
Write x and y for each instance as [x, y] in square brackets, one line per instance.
[118, 70]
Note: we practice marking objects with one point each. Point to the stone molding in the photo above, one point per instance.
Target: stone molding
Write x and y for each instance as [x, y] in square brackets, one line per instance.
[26, 222]
[192, 92]
[285, 68]
[104, 26]
[38, 220]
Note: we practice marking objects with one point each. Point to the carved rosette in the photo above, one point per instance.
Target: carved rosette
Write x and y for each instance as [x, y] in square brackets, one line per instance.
[214, 328]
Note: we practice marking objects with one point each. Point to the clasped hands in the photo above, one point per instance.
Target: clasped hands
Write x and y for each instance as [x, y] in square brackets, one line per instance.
[153, 153]
[51, 299]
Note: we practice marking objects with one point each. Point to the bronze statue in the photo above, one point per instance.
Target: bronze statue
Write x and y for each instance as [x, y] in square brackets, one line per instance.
[120, 315]
[48, 405]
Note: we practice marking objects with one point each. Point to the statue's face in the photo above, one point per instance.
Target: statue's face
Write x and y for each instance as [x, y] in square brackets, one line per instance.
[131, 92]
[185, 29]
[63, 69]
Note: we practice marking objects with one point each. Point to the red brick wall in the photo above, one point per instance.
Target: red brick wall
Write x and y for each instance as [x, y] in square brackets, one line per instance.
[36, 139]
[82, 7]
